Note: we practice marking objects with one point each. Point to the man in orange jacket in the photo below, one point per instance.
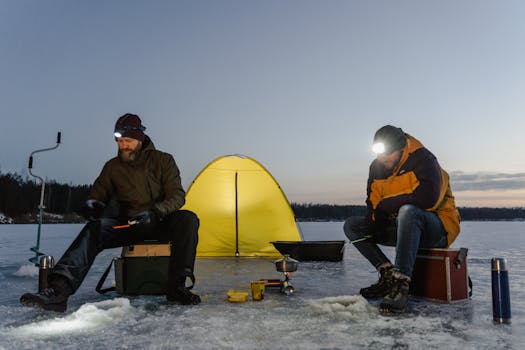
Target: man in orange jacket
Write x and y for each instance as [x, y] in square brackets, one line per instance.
[409, 206]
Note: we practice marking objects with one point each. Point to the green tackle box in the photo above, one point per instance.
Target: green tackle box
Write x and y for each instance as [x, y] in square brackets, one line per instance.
[142, 269]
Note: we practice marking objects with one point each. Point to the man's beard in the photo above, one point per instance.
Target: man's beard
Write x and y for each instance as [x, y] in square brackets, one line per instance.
[128, 155]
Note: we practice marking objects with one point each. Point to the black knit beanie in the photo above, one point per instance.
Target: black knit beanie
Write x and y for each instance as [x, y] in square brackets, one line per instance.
[130, 125]
[393, 138]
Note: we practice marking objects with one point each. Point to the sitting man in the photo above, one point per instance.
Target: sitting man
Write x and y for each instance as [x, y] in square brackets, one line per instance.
[409, 206]
[146, 184]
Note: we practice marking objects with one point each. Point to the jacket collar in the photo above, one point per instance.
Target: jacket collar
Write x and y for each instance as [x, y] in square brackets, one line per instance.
[411, 146]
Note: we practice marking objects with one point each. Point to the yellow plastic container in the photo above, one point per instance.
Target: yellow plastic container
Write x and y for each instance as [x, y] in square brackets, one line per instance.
[237, 296]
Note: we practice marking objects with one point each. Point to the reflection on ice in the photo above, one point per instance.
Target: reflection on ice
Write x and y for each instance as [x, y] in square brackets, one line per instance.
[87, 318]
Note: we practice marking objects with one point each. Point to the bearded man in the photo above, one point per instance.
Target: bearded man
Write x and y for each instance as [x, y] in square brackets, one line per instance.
[146, 184]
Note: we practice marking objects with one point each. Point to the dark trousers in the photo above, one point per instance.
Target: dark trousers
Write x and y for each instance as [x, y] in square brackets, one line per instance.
[180, 228]
[414, 228]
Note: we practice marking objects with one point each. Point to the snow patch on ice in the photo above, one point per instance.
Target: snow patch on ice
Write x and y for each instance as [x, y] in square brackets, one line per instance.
[27, 271]
[5, 219]
[89, 317]
[347, 307]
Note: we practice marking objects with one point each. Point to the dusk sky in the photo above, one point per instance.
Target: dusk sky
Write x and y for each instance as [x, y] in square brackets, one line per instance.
[300, 86]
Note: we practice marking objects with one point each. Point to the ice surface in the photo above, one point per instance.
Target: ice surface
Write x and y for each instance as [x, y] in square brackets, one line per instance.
[325, 312]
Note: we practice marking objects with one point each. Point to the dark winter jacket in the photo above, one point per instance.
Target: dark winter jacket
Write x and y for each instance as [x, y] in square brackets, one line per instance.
[150, 182]
[417, 179]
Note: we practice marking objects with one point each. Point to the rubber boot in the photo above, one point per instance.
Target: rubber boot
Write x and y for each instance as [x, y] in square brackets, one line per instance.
[181, 294]
[382, 286]
[53, 298]
[396, 300]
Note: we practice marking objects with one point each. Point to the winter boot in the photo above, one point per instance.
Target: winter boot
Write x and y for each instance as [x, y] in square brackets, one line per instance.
[381, 287]
[53, 298]
[181, 294]
[397, 299]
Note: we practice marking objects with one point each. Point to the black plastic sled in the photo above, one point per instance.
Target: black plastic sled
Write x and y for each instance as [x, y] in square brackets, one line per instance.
[311, 250]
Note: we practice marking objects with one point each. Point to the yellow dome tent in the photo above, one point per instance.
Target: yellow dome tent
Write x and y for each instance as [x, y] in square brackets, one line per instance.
[241, 208]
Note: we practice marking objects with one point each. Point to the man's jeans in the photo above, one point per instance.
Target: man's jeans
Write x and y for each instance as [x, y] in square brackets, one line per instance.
[414, 228]
[180, 228]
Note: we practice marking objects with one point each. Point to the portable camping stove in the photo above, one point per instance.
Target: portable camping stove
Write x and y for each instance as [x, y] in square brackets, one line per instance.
[286, 265]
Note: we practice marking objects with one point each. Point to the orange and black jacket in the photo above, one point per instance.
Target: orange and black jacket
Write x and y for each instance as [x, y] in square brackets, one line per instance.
[417, 179]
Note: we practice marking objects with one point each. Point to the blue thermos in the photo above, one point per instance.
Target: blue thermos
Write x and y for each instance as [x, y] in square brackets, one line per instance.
[500, 291]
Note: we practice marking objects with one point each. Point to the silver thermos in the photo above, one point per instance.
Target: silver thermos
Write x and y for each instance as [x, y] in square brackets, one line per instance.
[47, 262]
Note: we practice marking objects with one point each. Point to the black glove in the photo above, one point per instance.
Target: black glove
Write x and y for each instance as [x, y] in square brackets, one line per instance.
[146, 218]
[93, 209]
[381, 216]
[380, 222]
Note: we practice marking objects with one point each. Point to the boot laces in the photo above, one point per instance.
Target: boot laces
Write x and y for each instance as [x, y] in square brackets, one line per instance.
[385, 276]
[48, 292]
[399, 281]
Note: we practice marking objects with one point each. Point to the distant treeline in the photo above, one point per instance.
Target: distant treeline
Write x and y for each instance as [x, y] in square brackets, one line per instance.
[19, 199]
[329, 212]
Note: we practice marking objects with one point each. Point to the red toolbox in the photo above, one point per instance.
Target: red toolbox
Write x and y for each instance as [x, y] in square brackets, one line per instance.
[441, 275]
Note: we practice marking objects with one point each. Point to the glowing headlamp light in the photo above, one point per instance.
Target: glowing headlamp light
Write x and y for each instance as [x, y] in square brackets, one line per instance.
[379, 148]
[122, 130]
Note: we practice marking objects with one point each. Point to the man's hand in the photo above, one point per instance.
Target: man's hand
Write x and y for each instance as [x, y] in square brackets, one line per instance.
[146, 218]
[380, 215]
[381, 221]
[93, 209]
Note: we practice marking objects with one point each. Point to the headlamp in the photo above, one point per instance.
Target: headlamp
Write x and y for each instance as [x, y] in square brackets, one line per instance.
[123, 129]
[379, 148]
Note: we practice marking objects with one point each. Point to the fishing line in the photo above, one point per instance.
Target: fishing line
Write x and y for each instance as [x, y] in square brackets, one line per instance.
[361, 239]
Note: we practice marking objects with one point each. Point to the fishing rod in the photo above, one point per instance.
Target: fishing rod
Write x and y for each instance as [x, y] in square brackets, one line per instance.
[41, 206]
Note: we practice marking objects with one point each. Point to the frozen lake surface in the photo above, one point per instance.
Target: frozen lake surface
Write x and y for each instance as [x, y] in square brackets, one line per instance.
[325, 312]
